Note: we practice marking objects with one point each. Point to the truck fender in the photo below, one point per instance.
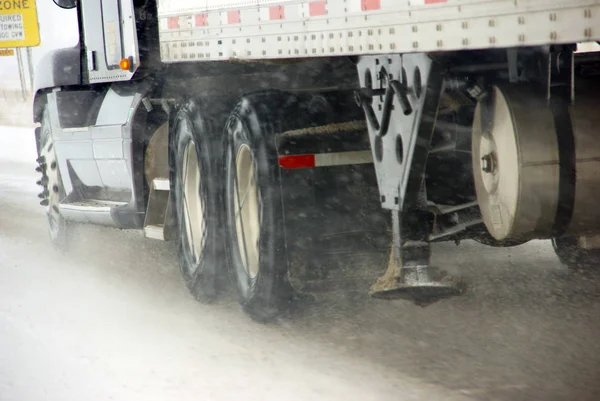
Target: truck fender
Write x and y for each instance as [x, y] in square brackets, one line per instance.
[61, 67]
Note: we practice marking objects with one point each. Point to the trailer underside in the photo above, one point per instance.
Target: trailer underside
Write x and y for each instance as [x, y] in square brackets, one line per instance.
[288, 173]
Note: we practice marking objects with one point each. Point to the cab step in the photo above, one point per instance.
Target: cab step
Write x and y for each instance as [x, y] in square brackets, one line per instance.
[158, 214]
[90, 211]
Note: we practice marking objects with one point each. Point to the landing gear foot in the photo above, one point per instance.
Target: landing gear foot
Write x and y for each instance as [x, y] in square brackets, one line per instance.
[424, 285]
[409, 275]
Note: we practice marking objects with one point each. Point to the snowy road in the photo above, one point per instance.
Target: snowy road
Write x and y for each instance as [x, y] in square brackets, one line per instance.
[112, 320]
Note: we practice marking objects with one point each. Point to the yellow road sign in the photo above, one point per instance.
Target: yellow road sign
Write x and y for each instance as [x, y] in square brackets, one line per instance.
[7, 52]
[18, 23]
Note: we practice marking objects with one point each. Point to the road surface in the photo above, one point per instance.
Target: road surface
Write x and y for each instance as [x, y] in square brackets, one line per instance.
[111, 320]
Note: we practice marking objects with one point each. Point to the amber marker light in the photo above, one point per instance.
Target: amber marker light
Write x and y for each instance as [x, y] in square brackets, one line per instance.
[125, 64]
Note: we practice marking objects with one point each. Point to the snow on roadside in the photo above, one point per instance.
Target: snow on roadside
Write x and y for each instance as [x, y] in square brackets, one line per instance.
[17, 160]
[17, 145]
[16, 112]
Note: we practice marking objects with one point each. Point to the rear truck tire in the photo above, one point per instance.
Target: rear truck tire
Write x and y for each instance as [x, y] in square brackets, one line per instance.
[198, 211]
[572, 256]
[255, 215]
[53, 191]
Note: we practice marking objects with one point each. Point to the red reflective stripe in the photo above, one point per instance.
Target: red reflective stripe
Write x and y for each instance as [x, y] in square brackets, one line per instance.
[435, 1]
[201, 19]
[368, 5]
[233, 17]
[173, 22]
[317, 8]
[276, 12]
[297, 161]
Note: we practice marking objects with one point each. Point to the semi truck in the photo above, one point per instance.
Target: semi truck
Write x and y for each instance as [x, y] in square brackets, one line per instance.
[296, 145]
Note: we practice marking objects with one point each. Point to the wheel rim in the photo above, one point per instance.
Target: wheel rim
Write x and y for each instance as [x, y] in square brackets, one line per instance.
[193, 211]
[247, 211]
[53, 186]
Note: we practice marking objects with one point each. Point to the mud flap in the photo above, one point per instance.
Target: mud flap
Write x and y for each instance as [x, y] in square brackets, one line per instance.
[337, 235]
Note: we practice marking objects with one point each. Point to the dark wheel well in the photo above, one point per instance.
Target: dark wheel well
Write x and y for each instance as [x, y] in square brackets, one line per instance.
[39, 102]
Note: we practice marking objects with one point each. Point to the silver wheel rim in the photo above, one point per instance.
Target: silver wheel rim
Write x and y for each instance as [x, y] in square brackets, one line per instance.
[247, 211]
[193, 211]
[53, 186]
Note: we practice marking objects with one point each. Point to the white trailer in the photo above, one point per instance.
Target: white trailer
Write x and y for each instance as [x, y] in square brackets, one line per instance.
[287, 143]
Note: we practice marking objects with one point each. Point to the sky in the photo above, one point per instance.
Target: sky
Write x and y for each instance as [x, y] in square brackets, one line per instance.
[58, 28]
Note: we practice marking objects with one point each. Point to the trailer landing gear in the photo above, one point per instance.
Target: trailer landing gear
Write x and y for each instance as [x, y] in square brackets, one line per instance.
[400, 96]
[409, 275]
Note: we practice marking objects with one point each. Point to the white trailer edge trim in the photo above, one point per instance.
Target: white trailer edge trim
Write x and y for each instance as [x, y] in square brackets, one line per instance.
[261, 29]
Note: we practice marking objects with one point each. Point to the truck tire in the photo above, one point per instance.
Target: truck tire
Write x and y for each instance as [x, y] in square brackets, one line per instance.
[195, 196]
[255, 223]
[51, 183]
[574, 257]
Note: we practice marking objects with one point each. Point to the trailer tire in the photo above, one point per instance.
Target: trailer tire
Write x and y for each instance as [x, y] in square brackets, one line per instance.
[574, 257]
[51, 184]
[197, 210]
[255, 221]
